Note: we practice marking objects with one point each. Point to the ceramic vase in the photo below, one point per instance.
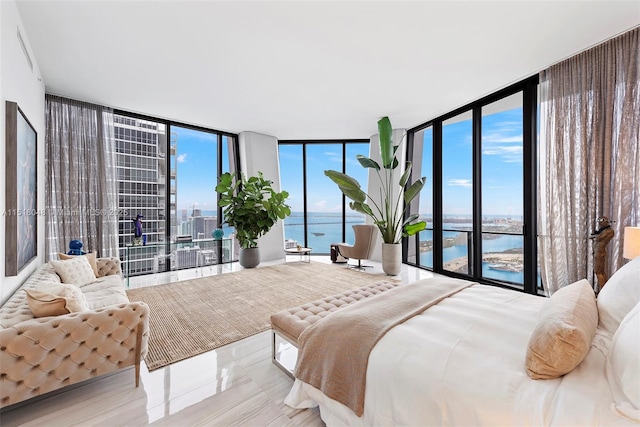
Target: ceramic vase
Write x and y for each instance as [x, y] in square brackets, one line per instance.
[391, 258]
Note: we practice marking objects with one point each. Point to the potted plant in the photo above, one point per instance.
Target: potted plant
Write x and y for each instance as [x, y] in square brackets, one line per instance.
[252, 207]
[387, 212]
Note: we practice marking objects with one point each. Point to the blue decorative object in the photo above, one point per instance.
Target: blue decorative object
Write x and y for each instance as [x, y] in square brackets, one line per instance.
[75, 248]
[138, 226]
[217, 234]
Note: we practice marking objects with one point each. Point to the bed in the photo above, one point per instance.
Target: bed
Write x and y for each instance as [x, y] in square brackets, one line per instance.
[466, 360]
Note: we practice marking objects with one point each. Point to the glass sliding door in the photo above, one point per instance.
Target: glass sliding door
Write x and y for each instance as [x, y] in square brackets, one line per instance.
[142, 168]
[201, 156]
[502, 190]
[457, 193]
[196, 154]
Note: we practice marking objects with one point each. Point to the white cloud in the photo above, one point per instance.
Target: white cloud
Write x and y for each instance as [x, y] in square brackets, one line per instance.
[508, 147]
[181, 158]
[321, 204]
[459, 182]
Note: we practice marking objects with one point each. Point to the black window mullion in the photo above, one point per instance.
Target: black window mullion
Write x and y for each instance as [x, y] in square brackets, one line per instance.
[219, 208]
[304, 192]
[407, 213]
[437, 197]
[219, 172]
[529, 110]
[167, 195]
[475, 249]
[344, 198]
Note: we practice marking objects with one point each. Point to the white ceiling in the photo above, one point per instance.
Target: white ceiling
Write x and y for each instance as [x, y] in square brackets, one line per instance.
[305, 70]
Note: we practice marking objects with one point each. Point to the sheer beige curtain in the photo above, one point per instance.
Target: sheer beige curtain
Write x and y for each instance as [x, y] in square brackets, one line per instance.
[589, 157]
[81, 181]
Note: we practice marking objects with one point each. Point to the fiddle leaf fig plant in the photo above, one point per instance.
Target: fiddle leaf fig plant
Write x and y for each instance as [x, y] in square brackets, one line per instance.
[386, 214]
[251, 206]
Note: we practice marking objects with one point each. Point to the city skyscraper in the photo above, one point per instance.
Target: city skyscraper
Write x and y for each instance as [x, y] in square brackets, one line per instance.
[141, 147]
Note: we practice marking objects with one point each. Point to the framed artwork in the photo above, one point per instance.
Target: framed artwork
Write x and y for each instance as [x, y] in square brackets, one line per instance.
[21, 214]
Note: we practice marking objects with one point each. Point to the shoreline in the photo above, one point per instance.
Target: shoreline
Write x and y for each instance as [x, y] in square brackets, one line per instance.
[501, 261]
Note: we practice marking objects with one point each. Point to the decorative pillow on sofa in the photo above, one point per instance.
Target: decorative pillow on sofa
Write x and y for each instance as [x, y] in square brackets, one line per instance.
[619, 295]
[56, 299]
[75, 270]
[91, 257]
[563, 335]
[623, 366]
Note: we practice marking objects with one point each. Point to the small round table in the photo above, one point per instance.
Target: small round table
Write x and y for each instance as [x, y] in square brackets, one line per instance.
[302, 252]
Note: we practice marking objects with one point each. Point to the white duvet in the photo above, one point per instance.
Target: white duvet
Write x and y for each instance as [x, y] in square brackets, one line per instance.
[461, 363]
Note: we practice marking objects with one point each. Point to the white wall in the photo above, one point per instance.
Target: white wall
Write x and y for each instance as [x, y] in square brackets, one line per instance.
[374, 187]
[20, 84]
[259, 153]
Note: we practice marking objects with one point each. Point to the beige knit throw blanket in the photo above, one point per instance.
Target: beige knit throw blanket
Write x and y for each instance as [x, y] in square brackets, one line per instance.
[334, 352]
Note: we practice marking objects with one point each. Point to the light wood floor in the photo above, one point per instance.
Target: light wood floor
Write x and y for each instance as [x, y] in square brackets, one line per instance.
[233, 385]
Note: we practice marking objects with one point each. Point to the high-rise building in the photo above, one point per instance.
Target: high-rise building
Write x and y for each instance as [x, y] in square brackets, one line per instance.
[210, 224]
[141, 150]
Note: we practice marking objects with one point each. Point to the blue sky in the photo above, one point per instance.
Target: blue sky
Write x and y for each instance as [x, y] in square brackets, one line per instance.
[501, 169]
[196, 166]
[322, 194]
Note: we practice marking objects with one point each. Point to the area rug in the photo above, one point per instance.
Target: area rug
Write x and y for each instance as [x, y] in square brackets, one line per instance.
[194, 316]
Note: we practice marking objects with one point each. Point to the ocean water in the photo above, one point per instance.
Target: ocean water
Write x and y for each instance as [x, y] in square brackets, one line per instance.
[498, 244]
[325, 229]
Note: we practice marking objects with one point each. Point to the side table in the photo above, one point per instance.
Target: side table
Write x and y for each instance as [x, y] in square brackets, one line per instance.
[302, 252]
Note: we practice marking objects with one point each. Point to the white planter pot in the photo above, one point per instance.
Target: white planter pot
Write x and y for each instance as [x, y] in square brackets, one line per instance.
[249, 257]
[391, 258]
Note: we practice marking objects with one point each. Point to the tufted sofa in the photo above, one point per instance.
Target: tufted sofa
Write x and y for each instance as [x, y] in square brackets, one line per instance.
[39, 355]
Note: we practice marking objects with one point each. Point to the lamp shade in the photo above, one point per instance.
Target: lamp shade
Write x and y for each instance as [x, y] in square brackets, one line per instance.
[631, 242]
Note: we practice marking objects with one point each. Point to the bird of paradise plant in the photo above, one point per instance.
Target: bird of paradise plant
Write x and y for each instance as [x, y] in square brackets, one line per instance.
[386, 213]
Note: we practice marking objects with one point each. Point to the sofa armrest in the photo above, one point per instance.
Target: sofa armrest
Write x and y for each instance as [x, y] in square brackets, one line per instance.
[108, 266]
[44, 354]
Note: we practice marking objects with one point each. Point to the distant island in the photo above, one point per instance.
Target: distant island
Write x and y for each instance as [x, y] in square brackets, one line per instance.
[511, 260]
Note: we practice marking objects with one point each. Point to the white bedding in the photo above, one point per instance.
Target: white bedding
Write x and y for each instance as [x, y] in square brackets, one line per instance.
[461, 363]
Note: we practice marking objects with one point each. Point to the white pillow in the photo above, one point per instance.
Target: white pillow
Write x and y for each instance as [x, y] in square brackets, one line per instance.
[619, 295]
[76, 270]
[623, 366]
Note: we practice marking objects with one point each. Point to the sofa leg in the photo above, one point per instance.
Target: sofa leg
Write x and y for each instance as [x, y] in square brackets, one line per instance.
[138, 351]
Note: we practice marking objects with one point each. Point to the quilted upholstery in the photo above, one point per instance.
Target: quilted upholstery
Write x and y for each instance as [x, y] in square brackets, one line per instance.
[109, 267]
[292, 322]
[38, 355]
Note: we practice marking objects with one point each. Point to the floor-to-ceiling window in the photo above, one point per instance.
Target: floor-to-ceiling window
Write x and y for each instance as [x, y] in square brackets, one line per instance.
[479, 203]
[141, 147]
[320, 215]
[457, 194]
[502, 189]
[167, 174]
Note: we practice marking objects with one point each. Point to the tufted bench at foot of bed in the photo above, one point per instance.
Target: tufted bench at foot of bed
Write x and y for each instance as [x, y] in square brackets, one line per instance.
[290, 323]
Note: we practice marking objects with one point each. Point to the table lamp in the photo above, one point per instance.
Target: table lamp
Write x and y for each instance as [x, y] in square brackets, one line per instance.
[631, 247]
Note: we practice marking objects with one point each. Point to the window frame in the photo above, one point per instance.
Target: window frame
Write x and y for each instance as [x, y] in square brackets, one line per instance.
[529, 89]
[304, 143]
[168, 140]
